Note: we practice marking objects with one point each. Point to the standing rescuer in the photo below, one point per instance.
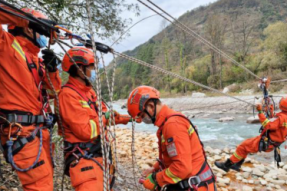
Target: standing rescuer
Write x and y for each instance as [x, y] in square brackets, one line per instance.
[79, 112]
[273, 134]
[24, 109]
[182, 163]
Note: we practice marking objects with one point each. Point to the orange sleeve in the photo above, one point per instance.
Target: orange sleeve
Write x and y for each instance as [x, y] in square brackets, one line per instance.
[177, 142]
[104, 107]
[271, 124]
[75, 113]
[123, 119]
[156, 166]
[56, 81]
[6, 18]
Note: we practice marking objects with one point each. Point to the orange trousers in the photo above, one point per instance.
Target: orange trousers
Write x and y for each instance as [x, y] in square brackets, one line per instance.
[87, 175]
[40, 178]
[248, 146]
[209, 188]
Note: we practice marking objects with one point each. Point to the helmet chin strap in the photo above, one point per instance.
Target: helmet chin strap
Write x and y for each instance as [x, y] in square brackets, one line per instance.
[34, 39]
[154, 114]
[85, 80]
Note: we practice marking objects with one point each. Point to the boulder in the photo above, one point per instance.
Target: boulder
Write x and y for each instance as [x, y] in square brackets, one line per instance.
[247, 188]
[246, 169]
[198, 95]
[257, 172]
[282, 177]
[253, 120]
[225, 90]
[225, 119]
[246, 174]
[263, 182]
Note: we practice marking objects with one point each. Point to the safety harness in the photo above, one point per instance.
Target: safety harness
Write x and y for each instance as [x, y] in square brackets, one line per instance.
[91, 102]
[266, 141]
[15, 120]
[75, 151]
[205, 175]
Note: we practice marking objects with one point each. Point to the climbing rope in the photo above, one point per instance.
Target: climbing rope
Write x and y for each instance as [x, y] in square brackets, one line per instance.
[112, 122]
[217, 104]
[125, 32]
[98, 92]
[10, 152]
[189, 31]
[176, 76]
[279, 81]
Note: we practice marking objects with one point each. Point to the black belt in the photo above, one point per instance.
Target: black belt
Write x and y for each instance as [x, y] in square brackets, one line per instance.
[275, 144]
[185, 184]
[92, 147]
[25, 119]
[200, 180]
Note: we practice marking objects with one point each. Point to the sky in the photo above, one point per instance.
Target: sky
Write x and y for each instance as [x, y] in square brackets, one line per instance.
[146, 29]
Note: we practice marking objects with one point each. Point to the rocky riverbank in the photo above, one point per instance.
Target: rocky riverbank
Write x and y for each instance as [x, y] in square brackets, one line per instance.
[254, 176]
[200, 105]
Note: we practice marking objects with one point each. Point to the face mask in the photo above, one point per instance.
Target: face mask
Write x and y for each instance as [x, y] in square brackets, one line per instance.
[93, 75]
[147, 120]
[42, 41]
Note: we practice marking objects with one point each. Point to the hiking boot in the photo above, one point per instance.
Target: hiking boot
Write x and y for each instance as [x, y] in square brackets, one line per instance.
[237, 166]
[224, 165]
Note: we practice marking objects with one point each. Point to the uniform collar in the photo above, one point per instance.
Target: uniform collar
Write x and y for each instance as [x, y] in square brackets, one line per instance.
[79, 84]
[28, 46]
[162, 115]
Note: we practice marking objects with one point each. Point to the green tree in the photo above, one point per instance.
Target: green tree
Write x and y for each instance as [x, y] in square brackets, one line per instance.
[106, 13]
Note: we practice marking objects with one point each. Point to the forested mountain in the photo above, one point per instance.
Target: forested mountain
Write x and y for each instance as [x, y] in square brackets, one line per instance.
[253, 32]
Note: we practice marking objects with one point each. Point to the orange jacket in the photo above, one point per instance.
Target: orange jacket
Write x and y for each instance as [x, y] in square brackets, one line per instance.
[17, 85]
[182, 152]
[81, 123]
[277, 126]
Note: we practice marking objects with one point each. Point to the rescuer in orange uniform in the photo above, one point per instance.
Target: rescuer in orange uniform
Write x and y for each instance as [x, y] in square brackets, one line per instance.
[24, 107]
[273, 134]
[182, 163]
[79, 112]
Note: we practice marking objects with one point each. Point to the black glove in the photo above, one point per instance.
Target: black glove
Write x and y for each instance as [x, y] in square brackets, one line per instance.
[42, 29]
[50, 60]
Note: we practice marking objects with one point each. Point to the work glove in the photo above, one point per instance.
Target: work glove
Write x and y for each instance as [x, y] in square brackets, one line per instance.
[259, 108]
[147, 171]
[150, 182]
[138, 120]
[119, 118]
[41, 29]
[50, 60]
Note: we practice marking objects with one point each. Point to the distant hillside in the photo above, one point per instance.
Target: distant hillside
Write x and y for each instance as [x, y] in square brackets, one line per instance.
[242, 28]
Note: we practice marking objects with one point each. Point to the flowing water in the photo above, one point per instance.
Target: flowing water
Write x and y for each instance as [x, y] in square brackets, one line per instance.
[217, 134]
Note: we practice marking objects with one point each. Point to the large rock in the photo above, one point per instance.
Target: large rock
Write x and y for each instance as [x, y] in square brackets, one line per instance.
[246, 174]
[247, 188]
[263, 182]
[282, 177]
[225, 90]
[257, 172]
[253, 120]
[278, 182]
[198, 95]
[246, 169]
[224, 119]
[217, 157]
